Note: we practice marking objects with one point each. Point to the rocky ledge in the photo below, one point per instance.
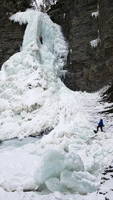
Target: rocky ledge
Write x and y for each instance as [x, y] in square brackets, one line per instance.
[88, 28]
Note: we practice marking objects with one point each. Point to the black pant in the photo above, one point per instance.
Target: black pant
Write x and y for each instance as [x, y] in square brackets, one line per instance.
[101, 128]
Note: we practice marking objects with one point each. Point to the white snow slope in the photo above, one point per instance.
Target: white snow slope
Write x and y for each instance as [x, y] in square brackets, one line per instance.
[66, 163]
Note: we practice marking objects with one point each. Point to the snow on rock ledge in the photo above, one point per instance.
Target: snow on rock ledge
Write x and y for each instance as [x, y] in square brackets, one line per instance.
[94, 43]
[95, 14]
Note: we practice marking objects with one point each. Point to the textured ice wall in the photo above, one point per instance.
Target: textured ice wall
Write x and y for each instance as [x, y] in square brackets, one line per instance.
[29, 78]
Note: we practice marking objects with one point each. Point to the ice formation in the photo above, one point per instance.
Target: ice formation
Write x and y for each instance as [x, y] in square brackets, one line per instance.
[95, 14]
[39, 3]
[94, 43]
[29, 80]
[33, 99]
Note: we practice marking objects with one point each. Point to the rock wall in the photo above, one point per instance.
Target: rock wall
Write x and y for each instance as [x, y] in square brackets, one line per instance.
[11, 34]
[88, 68]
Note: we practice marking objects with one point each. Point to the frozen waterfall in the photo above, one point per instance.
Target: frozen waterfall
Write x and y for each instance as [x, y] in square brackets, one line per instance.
[30, 77]
[34, 99]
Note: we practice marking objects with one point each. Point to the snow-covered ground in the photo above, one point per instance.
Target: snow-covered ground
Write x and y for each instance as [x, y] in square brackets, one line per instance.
[67, 163]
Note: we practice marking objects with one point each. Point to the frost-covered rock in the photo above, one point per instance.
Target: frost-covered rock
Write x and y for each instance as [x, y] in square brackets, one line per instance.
[94, 43]
[95, 14]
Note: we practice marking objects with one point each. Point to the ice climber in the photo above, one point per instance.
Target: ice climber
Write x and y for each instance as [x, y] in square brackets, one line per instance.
[41, 40]
[100, 125]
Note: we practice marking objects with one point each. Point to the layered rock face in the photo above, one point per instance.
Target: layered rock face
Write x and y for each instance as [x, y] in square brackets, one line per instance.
[10, 34]
[89, 68]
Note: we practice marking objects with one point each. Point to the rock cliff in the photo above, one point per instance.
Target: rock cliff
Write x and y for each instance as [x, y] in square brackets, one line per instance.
[89, 68]
[11, 34]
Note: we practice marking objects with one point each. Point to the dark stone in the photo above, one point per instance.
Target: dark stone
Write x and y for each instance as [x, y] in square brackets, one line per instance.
[104, 193]
[108, 94]
[104, 173]
[102, 182]
[107, 198]
[104, 178]
[111, 166]
[88, 68]
[109, 171]
[46, 131]
[11, 34]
